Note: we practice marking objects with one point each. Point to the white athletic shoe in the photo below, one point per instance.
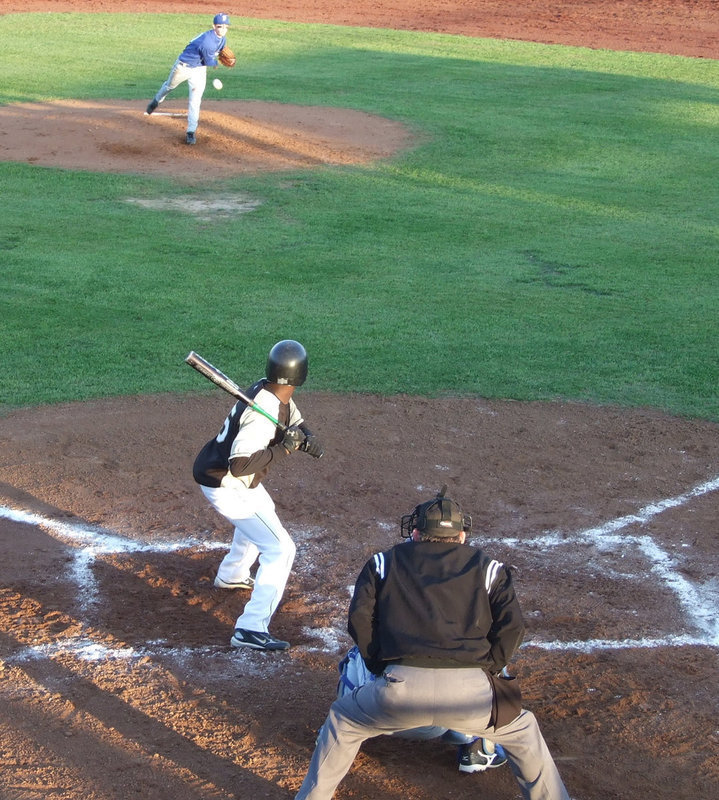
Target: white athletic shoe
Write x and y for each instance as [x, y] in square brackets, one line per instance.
[247, 583]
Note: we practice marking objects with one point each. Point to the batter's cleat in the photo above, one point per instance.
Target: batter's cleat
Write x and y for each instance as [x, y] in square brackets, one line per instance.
[480, 755]
[190, 138]
[257, 640]
[247, 583]
[151, 106]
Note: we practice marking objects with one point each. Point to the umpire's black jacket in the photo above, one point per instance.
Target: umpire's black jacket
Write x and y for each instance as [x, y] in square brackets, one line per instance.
[435, 604]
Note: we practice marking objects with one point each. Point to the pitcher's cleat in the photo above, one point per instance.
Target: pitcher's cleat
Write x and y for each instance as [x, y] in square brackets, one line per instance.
[247, 583]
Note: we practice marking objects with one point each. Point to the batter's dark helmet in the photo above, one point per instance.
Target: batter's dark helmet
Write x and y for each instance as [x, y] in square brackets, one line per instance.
[287, 363]
[438, 518]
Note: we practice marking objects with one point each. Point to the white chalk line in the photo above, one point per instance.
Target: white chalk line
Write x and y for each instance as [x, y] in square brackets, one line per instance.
[91, 541]
[86, 648]
[640, 518]
[99, 540]
[699, 605]
[591, 645]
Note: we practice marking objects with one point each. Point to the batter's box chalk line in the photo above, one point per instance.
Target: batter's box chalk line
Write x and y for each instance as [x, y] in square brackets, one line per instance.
[90, 542]
[697, 601]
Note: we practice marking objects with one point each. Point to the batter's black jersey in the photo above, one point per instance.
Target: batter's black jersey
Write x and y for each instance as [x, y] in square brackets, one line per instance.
[435, 604]
[248, 442]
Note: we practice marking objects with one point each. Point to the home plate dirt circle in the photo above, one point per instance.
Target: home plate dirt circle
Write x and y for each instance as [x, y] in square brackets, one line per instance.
[116, 674]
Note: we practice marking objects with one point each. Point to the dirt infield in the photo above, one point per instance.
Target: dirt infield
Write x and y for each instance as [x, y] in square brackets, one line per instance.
[116, 677]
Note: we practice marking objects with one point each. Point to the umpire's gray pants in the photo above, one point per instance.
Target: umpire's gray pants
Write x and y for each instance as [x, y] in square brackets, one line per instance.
[410, 697]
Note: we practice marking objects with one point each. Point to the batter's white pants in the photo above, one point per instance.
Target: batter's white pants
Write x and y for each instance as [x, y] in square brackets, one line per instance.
[196, 78]
[409, 697]
[258, 532]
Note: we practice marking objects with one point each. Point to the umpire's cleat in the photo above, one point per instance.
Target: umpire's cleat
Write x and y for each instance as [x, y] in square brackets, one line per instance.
[190, 138]
[151, 106]
[481, 754]
[257, 640]
[247, 583]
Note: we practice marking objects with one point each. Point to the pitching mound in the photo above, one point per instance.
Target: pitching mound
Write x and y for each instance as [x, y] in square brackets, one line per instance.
[234, 137]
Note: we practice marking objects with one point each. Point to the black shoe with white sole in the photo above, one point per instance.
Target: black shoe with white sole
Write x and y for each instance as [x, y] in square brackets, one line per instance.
[257, 640]
[480, 755]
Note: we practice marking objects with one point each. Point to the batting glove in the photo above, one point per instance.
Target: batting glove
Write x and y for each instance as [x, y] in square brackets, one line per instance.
[293, 439]
[313, 446]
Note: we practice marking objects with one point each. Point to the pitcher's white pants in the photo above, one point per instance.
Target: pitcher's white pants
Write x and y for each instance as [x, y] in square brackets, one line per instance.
[258, 531]
[196, 78]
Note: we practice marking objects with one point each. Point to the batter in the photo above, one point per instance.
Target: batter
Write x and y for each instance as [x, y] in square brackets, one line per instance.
[230, 469]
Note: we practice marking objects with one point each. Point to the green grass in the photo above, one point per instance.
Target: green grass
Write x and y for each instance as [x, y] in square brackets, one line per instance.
[553, 234]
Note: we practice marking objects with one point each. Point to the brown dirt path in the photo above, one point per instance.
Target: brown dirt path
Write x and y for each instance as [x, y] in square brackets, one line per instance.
[680, 27]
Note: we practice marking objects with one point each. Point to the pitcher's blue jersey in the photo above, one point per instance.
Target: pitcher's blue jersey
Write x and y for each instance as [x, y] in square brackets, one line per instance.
[202, 51]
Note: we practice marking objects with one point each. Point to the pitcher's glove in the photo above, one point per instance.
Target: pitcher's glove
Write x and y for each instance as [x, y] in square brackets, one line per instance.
[226, 57]
[293, 439]
[313, 446]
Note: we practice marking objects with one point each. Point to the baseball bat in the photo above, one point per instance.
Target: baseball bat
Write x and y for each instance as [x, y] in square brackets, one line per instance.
[220, 379]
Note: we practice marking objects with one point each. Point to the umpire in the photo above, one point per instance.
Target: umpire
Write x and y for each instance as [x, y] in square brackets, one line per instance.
[439, 621]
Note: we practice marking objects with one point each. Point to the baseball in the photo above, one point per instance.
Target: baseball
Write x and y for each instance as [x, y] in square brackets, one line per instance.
[217, 83]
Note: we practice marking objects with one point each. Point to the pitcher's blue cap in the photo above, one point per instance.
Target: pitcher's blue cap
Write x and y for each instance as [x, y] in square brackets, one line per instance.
[221, 19]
